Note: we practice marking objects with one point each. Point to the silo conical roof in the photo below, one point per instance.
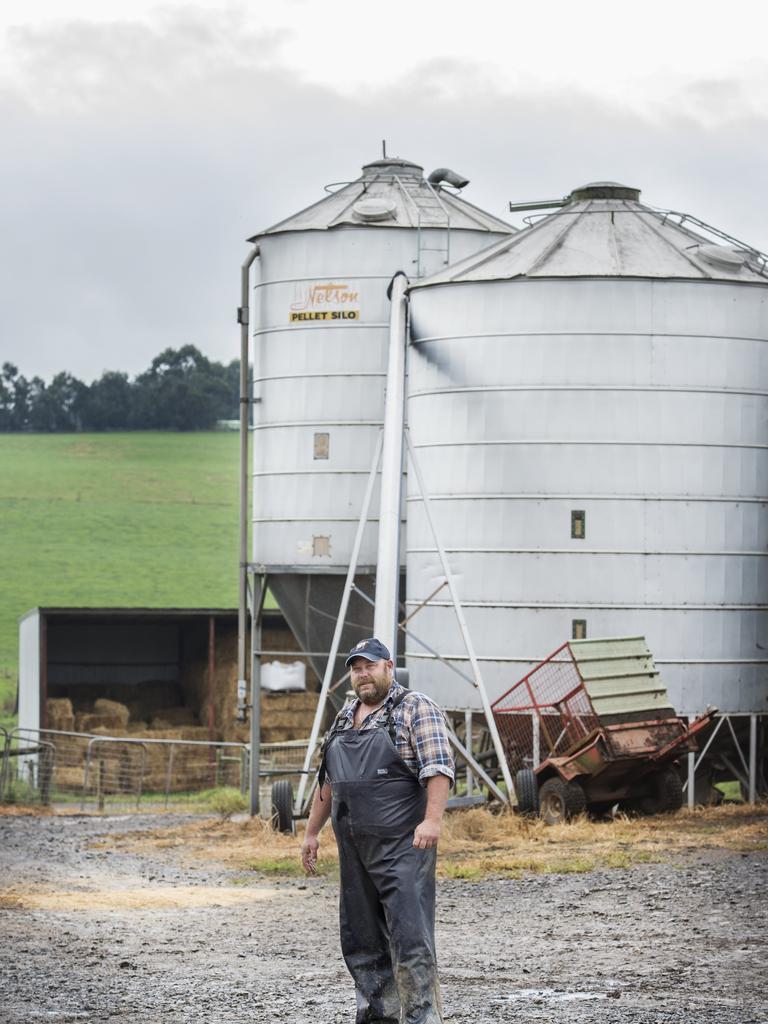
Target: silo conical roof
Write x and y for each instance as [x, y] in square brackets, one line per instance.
[390, 193]
[603, 230]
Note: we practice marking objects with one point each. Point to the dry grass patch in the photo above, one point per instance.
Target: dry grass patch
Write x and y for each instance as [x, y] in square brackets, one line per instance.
[249, 845]
[22, 810]
[155, 897]
[477, 843]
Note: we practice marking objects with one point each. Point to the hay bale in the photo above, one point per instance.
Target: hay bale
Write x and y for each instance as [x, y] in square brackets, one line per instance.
[60, 714]
[103, 725]
[168, 718]
[113, 709]
[69, 777]
[292, 713]
[278, 734]
[194, 732]
[296, 701]
[147, 698]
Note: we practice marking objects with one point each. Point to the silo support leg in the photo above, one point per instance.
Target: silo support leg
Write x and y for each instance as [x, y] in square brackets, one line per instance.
[746, 781]
[255, 706]
[490, 720]
[691, 774]
[752, 758]
[348, 587]
[472, 763]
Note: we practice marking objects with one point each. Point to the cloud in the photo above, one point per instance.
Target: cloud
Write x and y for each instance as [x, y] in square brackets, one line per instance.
[139, 157]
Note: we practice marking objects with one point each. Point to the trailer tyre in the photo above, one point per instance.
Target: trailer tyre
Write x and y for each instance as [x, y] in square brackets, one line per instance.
[282, 806]
[560, 801]
[527, 790]
[673, 789]
[666, 793]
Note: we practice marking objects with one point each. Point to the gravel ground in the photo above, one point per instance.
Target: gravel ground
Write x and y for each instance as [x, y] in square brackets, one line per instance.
[100, 935]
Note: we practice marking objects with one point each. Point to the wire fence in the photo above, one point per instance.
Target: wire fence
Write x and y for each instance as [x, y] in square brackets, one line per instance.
[94, 772]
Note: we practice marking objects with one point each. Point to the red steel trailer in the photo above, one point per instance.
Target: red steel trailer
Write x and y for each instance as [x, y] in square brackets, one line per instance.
[590, 727]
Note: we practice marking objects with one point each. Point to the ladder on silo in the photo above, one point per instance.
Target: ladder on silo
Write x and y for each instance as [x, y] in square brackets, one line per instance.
[430, 213]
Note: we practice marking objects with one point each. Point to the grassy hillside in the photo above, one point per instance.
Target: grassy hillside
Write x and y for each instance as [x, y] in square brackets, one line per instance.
[135, 519]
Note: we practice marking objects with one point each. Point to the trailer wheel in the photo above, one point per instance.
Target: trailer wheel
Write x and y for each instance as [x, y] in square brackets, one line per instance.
[560, 801]
[527, 791]
[666, 793]
[282, 806]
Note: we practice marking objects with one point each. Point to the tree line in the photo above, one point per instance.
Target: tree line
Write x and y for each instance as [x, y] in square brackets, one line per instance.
[181, 390]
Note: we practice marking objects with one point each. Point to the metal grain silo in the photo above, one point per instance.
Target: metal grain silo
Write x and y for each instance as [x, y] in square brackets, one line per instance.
[320, 343]
[587, 403]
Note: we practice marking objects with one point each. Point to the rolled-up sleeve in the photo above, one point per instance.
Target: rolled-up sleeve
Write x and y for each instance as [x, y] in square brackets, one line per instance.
[429, 739]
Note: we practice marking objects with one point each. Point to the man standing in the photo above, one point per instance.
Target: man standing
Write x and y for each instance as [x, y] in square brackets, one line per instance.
[386, 772]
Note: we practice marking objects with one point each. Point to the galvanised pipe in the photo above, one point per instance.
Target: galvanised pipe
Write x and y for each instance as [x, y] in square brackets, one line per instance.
[385, 615]
[243, 317]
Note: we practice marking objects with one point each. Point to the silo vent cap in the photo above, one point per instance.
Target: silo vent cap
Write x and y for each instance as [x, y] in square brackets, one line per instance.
[604, 190]
[374, 209]
[393, 166]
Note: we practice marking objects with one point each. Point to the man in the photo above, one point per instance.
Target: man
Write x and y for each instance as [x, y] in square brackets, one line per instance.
[389, 770]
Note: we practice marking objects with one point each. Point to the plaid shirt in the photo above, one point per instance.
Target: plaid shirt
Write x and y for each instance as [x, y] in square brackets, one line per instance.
[421, 735]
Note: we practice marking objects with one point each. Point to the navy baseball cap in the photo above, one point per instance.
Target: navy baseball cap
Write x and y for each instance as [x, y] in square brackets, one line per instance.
[371, 649]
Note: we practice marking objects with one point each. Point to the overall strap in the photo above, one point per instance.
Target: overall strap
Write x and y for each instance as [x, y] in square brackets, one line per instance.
[389, 722]
[323, 769]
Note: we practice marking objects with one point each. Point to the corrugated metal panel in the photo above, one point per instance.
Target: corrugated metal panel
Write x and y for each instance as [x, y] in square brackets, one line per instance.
[618, 704]
[619, 676]
[599, 651]
[29, 671]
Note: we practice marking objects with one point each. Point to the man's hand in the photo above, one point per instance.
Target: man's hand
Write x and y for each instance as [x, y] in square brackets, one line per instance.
[309, 850]
[427, 834]
[318, 815]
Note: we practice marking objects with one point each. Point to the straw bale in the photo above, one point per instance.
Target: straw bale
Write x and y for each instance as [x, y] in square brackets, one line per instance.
[157, 734]
[60, 713]
[167, 718]
[70, 751]
[106, 730]
[113, 709]
[149, 697]
[68, 777]
[194, 683]
[225, 683]
[240, 733]
[298, 722]
[101, 724]
[278, 734]
[296, 701]
[194, 732]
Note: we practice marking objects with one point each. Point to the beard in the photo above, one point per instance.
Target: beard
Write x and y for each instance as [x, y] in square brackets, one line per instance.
[373, 693]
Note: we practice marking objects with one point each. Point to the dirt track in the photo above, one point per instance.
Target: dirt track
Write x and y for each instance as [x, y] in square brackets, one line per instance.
[100, 934]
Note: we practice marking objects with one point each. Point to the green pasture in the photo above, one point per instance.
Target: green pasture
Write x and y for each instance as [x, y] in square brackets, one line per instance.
[134, 519]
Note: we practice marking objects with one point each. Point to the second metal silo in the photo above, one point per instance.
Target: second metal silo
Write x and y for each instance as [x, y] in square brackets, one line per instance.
[320, 341]
[587, 403]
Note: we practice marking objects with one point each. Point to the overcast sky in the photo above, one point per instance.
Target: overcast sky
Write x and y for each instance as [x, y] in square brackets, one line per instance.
[142, 144]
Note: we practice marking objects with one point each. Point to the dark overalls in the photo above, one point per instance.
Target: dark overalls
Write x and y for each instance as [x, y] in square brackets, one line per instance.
[387, 902]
